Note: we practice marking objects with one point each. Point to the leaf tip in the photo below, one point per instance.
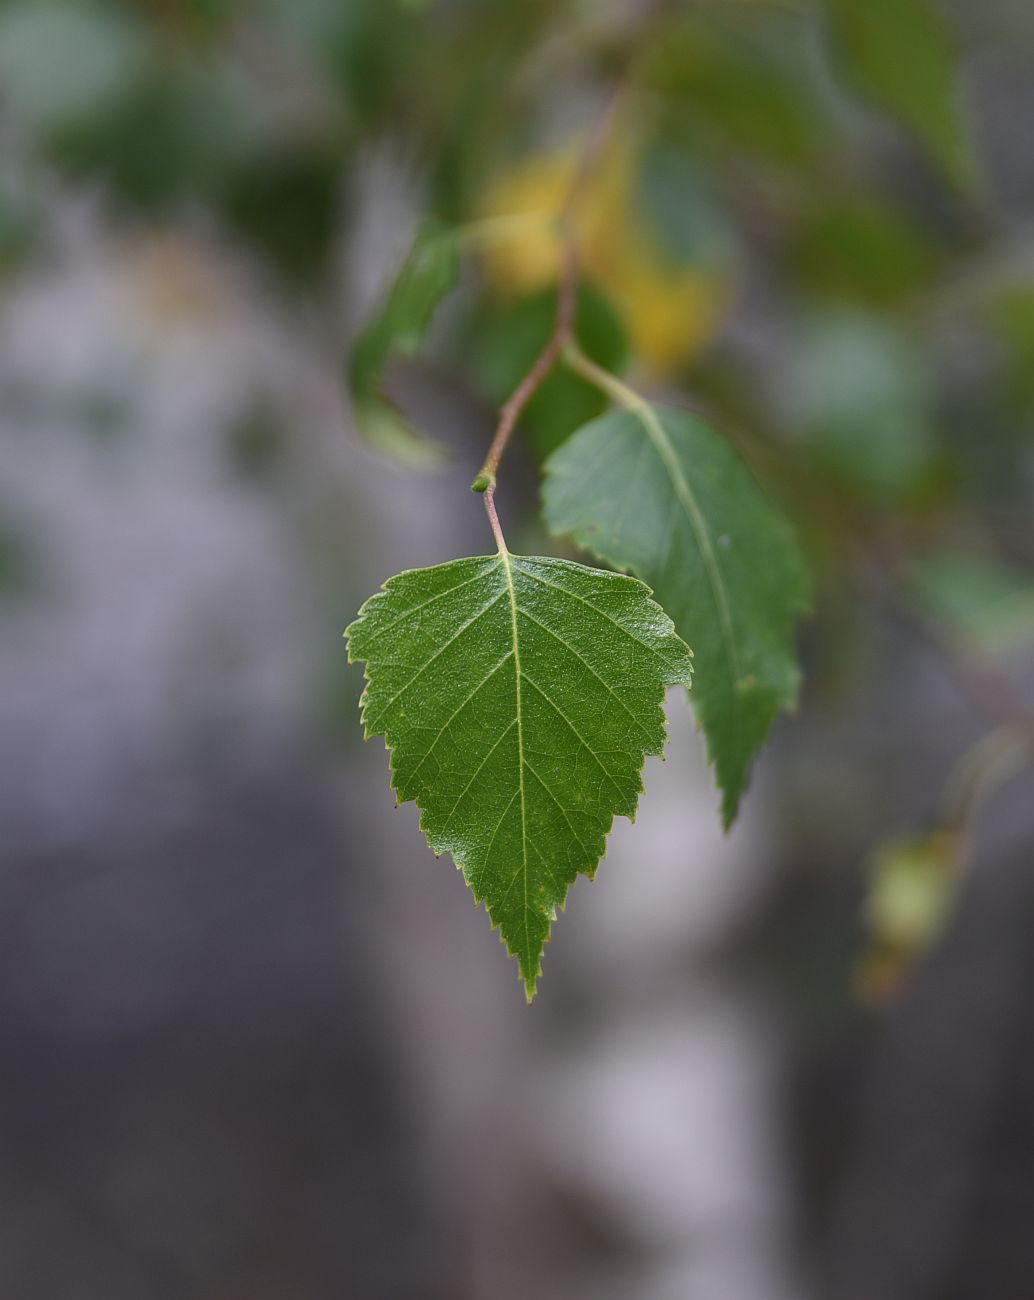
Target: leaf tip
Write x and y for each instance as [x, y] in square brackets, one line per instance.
[730, 806]
[529, 975]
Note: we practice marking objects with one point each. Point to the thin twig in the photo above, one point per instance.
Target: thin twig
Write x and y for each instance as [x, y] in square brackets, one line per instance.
[563, 325]
[540, 368]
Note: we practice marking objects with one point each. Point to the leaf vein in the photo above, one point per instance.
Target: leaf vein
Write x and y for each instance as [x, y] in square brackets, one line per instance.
[520, 739]
[477, 773]
[459, 709]
[572, 595]
[658, 436]
[576, 733]
[563, 812]
[491, 843]
[439, 595]
[603, 682]
[437, 655]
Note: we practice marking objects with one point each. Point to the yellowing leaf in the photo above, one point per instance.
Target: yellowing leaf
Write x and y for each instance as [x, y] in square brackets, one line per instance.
[671, 309]
[670, 317]
[538, 185]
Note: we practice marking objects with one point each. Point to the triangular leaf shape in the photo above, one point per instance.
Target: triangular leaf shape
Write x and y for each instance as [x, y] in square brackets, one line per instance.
[657, 492]
[519, 698]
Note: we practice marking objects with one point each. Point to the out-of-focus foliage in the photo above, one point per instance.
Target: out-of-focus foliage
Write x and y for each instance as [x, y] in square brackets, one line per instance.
[900, 53]
[649, 235]
[505, 337]
[857, 395]
[859, 248]
[742, 85]
[985, 607]
[427, 275]
[912, 885]
[812, 218]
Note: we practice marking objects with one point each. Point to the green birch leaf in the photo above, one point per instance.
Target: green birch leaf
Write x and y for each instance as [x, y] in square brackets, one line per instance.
[430, 271]
[657, 492]
[900, 54]
[519, 698]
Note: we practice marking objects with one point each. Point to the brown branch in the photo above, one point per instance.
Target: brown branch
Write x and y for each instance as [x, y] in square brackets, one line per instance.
[650, 12]
[510, 411]
[563, 325]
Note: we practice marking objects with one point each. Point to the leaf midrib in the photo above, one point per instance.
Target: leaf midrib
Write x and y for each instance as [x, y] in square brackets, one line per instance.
[662, 443]
[508, 568]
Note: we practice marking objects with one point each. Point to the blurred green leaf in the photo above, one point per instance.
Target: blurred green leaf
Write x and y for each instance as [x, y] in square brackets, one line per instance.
[910, 887]
[744, 90]
[856, 391]
[900, 54]
[174, 131]
[287, 200]
[862, 249]
[912, 884]
[675, 198]
[370, 48]
[1012, 318]
[429, 272]
[384, 427]
[986, 605]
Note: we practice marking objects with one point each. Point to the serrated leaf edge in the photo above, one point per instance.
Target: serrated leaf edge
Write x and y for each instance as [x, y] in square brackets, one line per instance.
[645, 412]
[530, 984]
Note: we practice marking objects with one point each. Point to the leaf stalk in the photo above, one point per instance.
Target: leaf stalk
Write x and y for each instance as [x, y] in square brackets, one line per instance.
[563, 325]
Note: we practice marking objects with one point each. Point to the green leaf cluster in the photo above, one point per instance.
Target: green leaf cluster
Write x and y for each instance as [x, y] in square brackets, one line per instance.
[519, 697]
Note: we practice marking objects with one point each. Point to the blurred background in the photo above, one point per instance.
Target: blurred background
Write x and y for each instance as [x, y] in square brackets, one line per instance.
[255, 1042]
